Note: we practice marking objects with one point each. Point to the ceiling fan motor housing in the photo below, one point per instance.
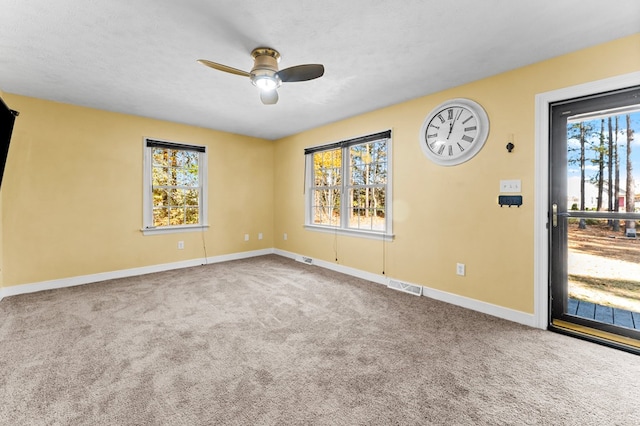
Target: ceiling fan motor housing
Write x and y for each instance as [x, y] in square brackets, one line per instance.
[265, 65]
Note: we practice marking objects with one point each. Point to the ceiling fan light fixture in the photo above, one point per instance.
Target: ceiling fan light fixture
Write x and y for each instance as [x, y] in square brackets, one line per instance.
[266, 82]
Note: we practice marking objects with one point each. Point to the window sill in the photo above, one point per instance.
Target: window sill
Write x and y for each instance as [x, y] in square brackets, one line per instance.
[374, 235]
[173, 229]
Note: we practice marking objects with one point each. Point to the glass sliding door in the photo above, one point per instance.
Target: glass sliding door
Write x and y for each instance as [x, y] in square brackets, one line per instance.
[595, 217]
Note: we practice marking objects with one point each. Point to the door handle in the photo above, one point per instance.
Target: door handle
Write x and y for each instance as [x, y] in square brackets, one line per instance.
[554, 215]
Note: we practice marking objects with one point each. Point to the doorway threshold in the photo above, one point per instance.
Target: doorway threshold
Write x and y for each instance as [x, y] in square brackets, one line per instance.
[597, 336]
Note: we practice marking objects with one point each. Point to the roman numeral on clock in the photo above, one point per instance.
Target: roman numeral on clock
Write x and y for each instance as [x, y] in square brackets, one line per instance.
[467, 138]
[441, 150]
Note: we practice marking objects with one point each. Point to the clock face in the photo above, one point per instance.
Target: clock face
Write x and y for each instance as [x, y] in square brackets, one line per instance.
[454, 132]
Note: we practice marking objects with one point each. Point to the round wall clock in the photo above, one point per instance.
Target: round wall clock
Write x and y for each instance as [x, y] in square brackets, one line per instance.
[454, 132]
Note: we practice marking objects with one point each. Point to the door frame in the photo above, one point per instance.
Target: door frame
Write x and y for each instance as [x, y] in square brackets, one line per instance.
[541, 191]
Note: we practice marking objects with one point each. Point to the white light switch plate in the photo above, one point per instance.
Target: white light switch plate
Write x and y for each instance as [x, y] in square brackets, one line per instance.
[511, 185]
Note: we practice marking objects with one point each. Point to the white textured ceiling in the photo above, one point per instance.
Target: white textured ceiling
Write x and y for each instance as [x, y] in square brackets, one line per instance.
[139, 56]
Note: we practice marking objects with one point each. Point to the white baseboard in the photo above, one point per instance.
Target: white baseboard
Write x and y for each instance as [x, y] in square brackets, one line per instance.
[376, 278]
[454, 299]
[484, 307]
[124, 273]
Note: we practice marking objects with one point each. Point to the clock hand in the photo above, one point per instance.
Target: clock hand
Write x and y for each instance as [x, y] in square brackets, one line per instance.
[453, 123]
[458, 116]
[450, 129]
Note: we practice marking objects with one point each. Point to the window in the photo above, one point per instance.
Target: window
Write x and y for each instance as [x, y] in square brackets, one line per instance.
[174, 187]
[348, 186]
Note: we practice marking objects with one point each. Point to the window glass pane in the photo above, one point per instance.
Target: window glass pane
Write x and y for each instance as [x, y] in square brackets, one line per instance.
[367, 208]
[357, 174]
[176, 197]
[355, 209]
[357, 198]
[336, 159]
[321, 197]
[160, 157]
[336, 176]
[172, 177]
[187, 177]
[327, 168]
[335, 199]
[176, 216]
[172, 157]
[321, 215]
[318, 169]
[335, 217]
[326, 207]
[380, 150]
[160, 217]
[192, 196]
[318, 177]
[192, 216]
[186, 159]
[319, 218]
[368, 163]
[160, 176]
[380, 175]
[360, 218]
[379, 198]
[160, 197]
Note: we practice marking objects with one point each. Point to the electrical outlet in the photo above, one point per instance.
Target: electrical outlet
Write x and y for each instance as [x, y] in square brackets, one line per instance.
[260, 236]
[246, 237]
[180, 245]
[512, 185]
[284, 237]
[460, 269]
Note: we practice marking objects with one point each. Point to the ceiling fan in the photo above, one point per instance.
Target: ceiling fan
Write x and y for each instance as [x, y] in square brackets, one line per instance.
[265, 75]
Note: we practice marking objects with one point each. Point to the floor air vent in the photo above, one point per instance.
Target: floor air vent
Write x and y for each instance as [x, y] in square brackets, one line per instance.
[407, 288]
[304, 259]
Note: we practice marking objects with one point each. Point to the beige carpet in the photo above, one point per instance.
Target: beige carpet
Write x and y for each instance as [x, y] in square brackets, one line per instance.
[268, 341]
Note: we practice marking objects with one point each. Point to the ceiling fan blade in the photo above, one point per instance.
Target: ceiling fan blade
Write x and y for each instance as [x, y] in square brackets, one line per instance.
[269, 97]
[224, 68]
[301, 73]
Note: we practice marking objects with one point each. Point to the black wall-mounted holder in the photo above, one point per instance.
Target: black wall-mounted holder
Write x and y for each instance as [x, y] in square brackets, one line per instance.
[510, 200]
[510, 146]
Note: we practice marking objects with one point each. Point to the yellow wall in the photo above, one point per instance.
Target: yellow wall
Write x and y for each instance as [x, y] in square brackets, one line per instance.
[445, 215]
[72, 193]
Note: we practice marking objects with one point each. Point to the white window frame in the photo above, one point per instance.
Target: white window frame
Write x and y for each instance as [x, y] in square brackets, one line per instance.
[147, 199]
[343, 228]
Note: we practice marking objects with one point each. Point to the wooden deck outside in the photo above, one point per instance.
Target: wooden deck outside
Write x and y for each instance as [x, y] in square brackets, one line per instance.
[605, 314]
